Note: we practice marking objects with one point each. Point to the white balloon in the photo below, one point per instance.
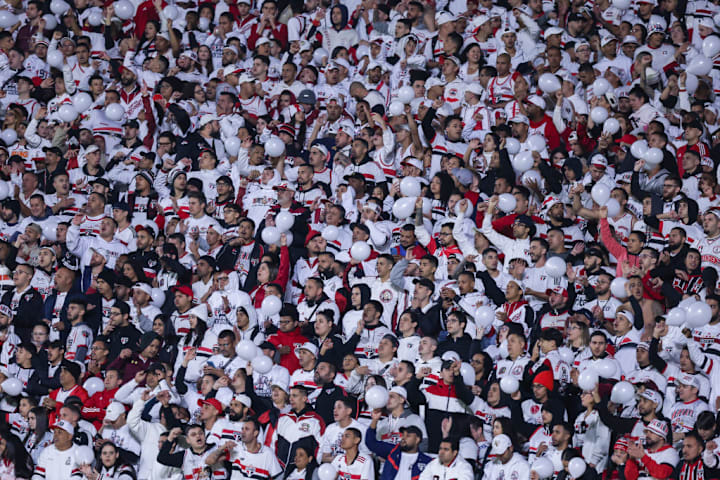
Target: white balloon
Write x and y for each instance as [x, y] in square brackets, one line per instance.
[484, 316]
[600, 87]
[588, 379]
[555, 267]
[171, 12]
[537, 143]
[271, 305]
[396, 109]
[56, 59]
[426, 206]
[232, 146]
[271, 235]
[403, 207]
[711, 46]
[598, 114]
[654, 156]
[577, 467]
[523, 161]
[327, 471]
[7, 19]
[82, 101]
[639, 148]
[49, 227]
[274, 147]
[606, 368]
[93, 385]
[12, 386]
[284, 221]
[246, 349]
[549, 83]
[262, 364]
[611, 126]
[203, 24]
[84, 455]
[115, 112]
[600, 193]
[613, 207]
[617, 288]
[509, 384]
[95, 19]
[288, 238]
[507, 202]
[50, 21]
[9, 136]
[531, 176]
[467, 373]
[59, 7]
[4, 190]
[320, 56]
[512, 145]
[699, 314]
[406, 94]
[331, 233]
[543, 467]
[158, 297]
[67, 113]
[700, 65]
[124, 9]
[360, 251]
[675, 317]
[691, 83]
[622, 393]
[376, 397]
[567, 355]
[621, 4]
[468, 211]
[410, 187]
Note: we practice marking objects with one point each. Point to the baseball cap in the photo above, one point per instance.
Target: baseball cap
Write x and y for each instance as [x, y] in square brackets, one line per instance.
[519, 119]
[143, 287]
[658, 427]
[607, 39]
[553, 31]
[244, 399]
[310, 347]
[207, 118]
[537, 100]
[651, 395]
[402, 391]
[689, 380]
[213, 402]
[411, 428]
[184, 289]
[64, 425]
[560, 290]
[599, 161]
[500, 444]
[444, 17]
[114, 410]
[413, 162]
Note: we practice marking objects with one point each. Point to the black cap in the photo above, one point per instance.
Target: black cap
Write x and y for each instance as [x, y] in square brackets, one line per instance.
[576, 17]
[425, 283]
[121, 206]
[101, 181]
[132, 123]
[527, 221]
[594, 252]
[412, 429]
[356, 176]
[170, 249]
[585, 313]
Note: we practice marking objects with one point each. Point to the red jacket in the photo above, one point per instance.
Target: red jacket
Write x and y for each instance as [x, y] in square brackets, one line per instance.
[76, 391]
[94, 408]
[293, 340]
[552, 137]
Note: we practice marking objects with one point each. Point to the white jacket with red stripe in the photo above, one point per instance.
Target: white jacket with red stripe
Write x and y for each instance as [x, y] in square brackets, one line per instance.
[361, 468]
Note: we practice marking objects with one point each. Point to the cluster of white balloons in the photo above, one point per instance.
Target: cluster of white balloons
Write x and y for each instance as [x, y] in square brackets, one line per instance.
[283, 223]
[691, 313]
[250, 352]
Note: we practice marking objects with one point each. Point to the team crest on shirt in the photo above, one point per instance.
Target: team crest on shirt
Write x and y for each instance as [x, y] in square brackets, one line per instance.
[151, 263]
[501, 371]
[534, 409]
[386, 295]
[517, 370]
[514, 476]
[304, 427]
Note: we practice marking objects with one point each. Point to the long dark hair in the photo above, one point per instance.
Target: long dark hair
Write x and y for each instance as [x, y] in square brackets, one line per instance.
[15, 452]
[447, 187]
[42, 422]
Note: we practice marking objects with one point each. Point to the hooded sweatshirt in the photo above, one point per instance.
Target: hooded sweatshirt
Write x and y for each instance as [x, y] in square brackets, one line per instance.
[341, 34]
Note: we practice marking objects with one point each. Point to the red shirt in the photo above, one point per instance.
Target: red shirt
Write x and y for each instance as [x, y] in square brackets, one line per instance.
[293, 340]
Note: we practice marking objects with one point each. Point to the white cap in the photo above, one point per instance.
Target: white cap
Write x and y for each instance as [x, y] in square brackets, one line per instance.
[444, 17]
[114, 410]
[310, 347]
[399, 391]
[244, 399]
[144, 287]
[207, 118]
[537, 100]
[500, 444]
[64, 425]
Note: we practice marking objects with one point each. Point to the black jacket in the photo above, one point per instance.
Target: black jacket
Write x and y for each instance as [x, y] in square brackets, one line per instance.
[325, 402]
[26, 313]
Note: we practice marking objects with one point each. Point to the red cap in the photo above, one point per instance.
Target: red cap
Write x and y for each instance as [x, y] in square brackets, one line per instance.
[622, 444]
[560, 290]
[311, 234]
[545, 378]
[627, 138]
[184, 289]
[214, 402]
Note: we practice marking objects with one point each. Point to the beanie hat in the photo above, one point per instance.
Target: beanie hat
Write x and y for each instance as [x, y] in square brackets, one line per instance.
[545, 378]
[311, 234]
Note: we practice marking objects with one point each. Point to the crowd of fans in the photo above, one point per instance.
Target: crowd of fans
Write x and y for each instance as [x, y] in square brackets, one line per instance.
[359, 240]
